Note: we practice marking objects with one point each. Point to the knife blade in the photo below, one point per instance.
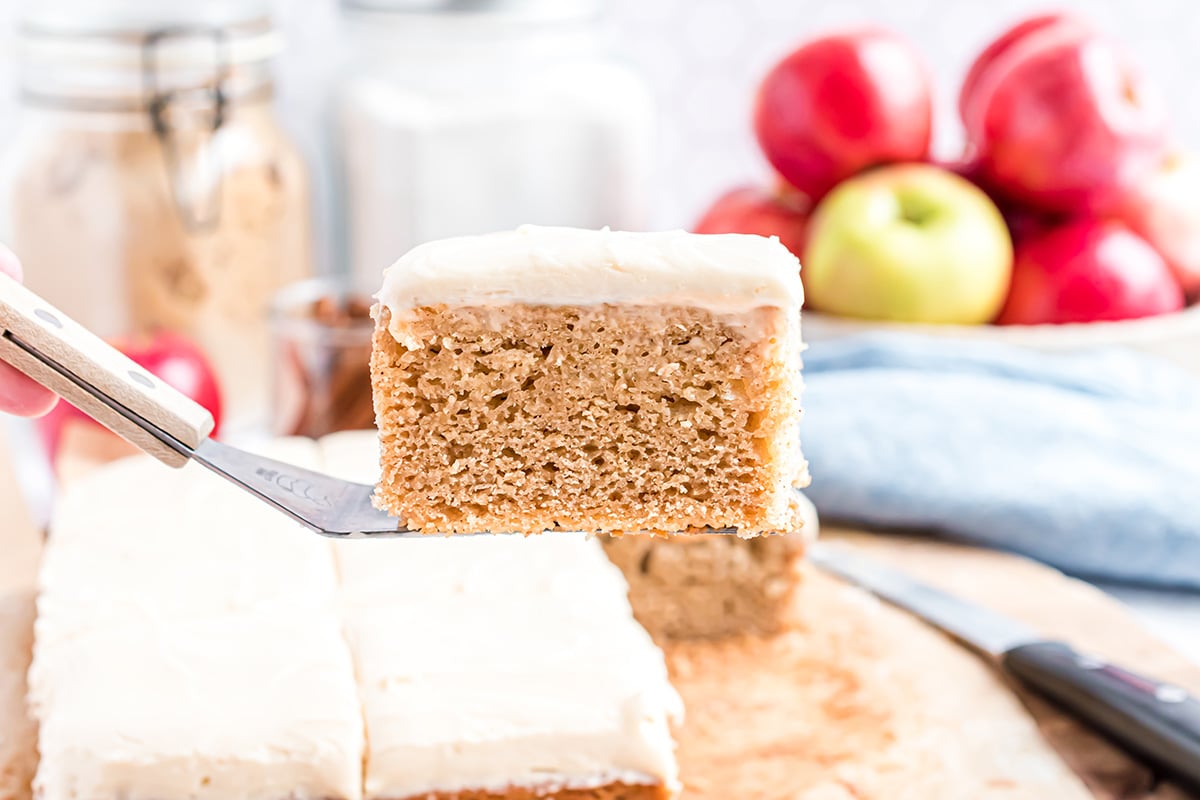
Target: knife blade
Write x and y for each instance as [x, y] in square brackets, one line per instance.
[1155, 721]
[979, 628]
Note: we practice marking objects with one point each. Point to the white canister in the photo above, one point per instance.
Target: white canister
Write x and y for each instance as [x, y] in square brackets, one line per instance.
[468, 116]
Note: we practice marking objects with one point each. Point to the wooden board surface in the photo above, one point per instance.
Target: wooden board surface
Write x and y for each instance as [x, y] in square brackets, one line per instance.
[1060, 608]
[860, 701]
[864, 701]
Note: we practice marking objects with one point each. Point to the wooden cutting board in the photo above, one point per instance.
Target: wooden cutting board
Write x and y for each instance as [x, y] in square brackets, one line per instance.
[859, 701]
[1060, 608]
[864, 701]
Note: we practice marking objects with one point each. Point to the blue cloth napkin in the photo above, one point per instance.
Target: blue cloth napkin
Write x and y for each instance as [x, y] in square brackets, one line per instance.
[1089, 462]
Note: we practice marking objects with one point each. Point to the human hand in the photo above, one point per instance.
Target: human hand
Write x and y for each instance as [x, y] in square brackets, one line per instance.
[18, 394]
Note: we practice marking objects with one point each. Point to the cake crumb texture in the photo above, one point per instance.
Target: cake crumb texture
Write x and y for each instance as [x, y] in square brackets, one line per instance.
[605, 418]
[712, 585]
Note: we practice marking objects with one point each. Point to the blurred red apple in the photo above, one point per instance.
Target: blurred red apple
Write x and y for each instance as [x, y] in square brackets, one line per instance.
[750, 209]
[1085, 271]
[1165, 211]
[176, 360]
[1060, 119]
[842, 103]
[1022, 221]
[968, 95]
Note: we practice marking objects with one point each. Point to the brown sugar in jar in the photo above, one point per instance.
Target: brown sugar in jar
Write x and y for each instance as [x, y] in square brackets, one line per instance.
[160, 194]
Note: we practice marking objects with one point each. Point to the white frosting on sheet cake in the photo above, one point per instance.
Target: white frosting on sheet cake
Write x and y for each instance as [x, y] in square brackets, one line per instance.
[228, 707]
[494, 692]
[192, 643]
[494, 661]
[188, 646]
[139, 543]
[727, 273]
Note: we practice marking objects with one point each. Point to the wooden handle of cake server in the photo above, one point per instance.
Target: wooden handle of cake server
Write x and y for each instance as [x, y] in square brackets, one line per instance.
[59, 353]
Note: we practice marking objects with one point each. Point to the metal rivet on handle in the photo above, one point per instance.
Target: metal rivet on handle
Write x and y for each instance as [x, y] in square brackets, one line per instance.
[48, 318]
[1170, 694]
[140, 378]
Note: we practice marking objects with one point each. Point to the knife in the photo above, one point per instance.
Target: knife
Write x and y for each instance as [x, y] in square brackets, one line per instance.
[1157, 722]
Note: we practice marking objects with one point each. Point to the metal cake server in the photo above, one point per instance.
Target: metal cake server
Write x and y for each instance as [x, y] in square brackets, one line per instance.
[1158, 722]
[63, 356]
[59, 353]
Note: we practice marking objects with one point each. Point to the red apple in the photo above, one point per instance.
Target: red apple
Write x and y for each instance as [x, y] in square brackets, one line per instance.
[968, 95]
[176, 360]
[1022, 221]
[842, 103]
[1165, 211]
[750, 209]
[1062, 120]
[1085, 271]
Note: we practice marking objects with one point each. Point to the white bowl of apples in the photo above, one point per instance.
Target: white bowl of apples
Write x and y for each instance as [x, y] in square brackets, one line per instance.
[1070, 221]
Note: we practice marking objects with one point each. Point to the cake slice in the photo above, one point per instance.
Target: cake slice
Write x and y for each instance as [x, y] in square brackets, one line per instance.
[563, 379]
[500, 668]
[712, 586]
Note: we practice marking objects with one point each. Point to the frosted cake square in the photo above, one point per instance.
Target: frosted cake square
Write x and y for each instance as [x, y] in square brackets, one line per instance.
[563, 379]
[524, 675]
[710, 586]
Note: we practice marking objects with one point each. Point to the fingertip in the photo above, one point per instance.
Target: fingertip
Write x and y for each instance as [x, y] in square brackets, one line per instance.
[10, 264]
[23, 397]
[41, 404]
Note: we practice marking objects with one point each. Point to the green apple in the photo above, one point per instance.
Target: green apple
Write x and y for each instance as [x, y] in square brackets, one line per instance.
[908, 243]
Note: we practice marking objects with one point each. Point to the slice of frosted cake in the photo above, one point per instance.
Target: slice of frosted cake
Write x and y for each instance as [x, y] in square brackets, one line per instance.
[500, 667]
[712, 586]
[563, 379]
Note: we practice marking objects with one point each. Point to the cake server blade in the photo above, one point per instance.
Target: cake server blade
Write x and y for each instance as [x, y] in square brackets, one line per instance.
[48, 346]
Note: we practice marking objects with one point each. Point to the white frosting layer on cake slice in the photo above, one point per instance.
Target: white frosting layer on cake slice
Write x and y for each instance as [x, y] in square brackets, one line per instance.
[493, 661]
[725, 273]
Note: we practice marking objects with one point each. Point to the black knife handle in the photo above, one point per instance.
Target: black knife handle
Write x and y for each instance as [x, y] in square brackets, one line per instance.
[1156, 721]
